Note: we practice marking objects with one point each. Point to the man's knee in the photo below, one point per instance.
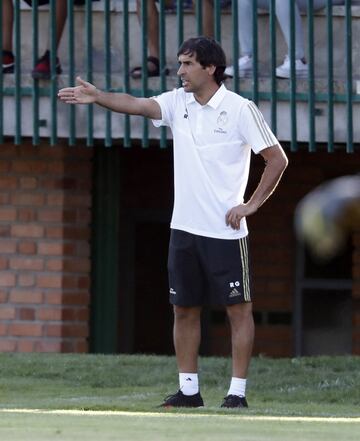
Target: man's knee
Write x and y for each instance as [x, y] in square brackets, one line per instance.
[185, 313]
[240, 311]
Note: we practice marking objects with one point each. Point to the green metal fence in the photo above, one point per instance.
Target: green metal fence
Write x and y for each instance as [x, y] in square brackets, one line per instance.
[263, 87]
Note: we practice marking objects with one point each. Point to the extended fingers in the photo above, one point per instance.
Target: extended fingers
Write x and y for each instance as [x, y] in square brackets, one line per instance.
[67, 95]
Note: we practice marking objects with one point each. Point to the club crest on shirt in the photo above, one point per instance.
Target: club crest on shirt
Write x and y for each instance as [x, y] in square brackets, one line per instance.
[222, 119]
[221, 122]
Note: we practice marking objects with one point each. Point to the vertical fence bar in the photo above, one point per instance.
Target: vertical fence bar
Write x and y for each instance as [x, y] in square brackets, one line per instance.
[107, 38]
[162, 48]
[89, 71]
[71, 55]
[180, 26]
[217, 20]
[53, 81]
[144, 72]
[255, 81]
[235, 44]
[348, 42]
[35, 85]
[330, 83]
[273, 101]
[311, 80]
[180, 21]
[17, 29]
[126, 74]
[199, 17]
[1, 87]
[293, 143]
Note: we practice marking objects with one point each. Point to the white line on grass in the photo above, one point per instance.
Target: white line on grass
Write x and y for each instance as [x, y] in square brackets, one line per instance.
[183, 415]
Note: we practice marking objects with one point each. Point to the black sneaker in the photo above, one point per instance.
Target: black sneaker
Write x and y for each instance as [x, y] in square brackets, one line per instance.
[181, 400]
[8, 60]
[232, 401]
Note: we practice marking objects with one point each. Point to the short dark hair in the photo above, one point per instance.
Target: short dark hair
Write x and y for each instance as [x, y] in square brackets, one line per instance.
[208, 52]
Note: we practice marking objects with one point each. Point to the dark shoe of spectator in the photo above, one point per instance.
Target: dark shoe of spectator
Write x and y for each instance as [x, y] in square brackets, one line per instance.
[153, 69]
[181, 400]
[234, 401]
[42, 69]
[8, 60]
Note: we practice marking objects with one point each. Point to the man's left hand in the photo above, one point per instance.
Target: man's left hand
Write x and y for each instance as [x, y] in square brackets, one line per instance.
[235, 214]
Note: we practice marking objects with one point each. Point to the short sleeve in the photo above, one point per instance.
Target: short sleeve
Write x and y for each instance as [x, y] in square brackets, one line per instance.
[254, 129]
[166, 102]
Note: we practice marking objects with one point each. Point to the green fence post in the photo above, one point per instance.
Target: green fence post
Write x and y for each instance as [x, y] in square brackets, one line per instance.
[348, 42]
[330, 82]
[162, 43]
[199, 17]
[71, 55]
[255, 81]
[126, 74]
[311, 80]
[217, 20]
[180, 26]
[2, 88]
[53, 81]
[89, 70]
[273, 99]
[35, 85]
[293, 143]
[144, 72]
[107, 39]
[235, 42]
[17, 29]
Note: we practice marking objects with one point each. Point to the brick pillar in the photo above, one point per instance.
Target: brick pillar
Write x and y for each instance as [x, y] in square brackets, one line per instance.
[45, 203]
[356, 293]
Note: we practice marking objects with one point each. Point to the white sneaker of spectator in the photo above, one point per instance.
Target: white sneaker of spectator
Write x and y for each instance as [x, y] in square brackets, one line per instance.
[284, 71]
[245, 64]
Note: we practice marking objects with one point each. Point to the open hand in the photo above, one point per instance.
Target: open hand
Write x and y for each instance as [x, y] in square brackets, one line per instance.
[85, 93]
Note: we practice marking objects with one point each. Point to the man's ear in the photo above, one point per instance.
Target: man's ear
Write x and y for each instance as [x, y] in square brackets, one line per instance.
[211, 69]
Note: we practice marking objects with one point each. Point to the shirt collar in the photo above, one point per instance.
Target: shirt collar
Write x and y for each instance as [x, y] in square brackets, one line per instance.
[214, 101]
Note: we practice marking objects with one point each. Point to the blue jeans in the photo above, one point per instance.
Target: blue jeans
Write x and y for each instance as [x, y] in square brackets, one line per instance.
[282, 8]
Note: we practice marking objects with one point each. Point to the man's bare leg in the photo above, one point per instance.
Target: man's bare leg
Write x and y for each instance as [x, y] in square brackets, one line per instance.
[242, 337]
[187, 335]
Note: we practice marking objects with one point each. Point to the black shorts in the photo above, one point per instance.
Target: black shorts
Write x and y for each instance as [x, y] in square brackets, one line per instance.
[203, 270]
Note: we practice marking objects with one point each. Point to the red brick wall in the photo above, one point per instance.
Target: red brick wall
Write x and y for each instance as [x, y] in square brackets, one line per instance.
[45, 203]
[45, 214]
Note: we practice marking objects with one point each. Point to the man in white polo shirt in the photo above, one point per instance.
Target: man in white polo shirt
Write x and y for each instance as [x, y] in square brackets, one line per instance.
[214, 131]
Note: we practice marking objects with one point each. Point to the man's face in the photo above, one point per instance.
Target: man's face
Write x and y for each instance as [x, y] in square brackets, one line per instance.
[193, 75]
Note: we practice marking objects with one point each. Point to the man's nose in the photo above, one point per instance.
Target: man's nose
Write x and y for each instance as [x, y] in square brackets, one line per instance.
[180, 70]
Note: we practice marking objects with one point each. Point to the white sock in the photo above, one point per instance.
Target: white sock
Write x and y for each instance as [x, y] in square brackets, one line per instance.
[189, 383]
[237, 387]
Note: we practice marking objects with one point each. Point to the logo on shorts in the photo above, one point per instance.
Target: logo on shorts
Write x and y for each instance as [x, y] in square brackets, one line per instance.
[234, 293]
[233, 284]
[172, 291]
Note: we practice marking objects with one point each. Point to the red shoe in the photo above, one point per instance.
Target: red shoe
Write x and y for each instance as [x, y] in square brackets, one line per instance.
[42, 69]
[8, 62]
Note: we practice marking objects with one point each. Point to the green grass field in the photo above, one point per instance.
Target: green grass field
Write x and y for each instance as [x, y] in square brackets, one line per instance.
[105, 397]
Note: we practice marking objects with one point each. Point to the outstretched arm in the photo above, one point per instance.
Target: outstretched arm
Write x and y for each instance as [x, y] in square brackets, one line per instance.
[87, 93]
[275, 164]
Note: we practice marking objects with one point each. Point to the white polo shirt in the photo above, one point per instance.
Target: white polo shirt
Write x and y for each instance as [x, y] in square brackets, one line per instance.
[212, 150]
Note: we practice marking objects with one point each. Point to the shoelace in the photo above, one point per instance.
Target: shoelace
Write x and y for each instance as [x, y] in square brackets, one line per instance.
[172, 396]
